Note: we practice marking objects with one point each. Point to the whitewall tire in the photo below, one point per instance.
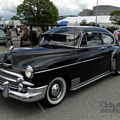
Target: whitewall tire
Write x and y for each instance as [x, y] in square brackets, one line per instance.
[56, 91]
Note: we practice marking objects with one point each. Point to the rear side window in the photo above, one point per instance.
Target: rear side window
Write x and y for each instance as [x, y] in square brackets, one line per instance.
[107, 40]
[94, 39]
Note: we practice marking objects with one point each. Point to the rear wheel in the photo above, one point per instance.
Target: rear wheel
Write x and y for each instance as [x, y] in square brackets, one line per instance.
[117, 72]
[56, 91]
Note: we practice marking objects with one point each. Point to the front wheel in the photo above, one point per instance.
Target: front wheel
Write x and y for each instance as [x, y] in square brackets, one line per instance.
[56, 91]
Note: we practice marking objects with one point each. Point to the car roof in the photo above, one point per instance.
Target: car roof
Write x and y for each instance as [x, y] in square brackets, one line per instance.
[81, 28]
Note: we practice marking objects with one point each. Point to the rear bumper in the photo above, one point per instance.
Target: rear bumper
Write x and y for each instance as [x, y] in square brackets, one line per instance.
[30, 94]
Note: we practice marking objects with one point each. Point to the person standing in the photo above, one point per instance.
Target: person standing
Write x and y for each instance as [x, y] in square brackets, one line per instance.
[38, 34]
[24, 41]
[8, 35]
[115, 34]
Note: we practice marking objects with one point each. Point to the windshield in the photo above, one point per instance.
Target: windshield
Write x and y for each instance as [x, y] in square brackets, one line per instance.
[61, 37]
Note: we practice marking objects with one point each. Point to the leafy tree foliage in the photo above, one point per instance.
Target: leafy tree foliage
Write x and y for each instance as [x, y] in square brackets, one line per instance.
[115, 17]
[15, 18]
[85, 23]
[38, 12]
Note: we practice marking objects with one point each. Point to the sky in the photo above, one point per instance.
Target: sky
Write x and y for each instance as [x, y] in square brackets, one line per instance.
[65, 7]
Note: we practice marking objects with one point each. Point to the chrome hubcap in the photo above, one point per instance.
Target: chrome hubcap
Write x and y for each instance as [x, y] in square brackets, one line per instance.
[55, 90]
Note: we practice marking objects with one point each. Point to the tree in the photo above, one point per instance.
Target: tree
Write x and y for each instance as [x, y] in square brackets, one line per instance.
[15, 18]
[38, 12]
[115, 17]
[83, 23]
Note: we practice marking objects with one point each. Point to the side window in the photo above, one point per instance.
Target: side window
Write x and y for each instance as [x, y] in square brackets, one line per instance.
[107, 39]
[94, 39]
[71, 40]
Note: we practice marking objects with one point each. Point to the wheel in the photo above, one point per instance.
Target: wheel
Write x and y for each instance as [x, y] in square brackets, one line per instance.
[56, 91]
[117, 72]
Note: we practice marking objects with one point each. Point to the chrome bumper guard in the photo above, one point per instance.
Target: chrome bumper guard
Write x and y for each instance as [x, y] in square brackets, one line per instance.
[33, 94]
[30, 95]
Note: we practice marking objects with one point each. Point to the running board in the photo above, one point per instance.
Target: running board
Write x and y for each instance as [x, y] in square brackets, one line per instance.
[90, 80]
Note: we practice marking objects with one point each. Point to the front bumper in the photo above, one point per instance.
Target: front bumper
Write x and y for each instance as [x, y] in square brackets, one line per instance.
[30, 94]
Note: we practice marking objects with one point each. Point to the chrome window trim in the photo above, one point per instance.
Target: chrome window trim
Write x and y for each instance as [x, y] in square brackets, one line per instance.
[95, 46]
[99, 46]
[68, 65]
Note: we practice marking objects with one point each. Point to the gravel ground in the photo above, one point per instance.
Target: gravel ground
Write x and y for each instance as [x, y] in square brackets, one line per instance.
[16, 43]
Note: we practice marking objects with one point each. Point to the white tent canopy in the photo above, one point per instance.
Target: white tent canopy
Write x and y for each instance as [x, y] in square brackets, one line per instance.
[101, 20]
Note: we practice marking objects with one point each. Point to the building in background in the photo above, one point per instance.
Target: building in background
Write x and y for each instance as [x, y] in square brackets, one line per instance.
[86, 12]
[102, 12]
[99, 10]
[75, 21]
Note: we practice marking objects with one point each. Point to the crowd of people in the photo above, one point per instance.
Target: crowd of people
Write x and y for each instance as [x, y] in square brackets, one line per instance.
[29, 37]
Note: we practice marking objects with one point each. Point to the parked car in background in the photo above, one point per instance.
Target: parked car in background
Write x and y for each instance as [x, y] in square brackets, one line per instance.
[67, 58]
[3, 38]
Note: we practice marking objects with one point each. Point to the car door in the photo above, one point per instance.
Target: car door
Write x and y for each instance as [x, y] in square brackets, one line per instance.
[94, 56]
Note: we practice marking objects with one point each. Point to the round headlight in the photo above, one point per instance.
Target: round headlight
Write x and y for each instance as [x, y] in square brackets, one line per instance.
[29, 72]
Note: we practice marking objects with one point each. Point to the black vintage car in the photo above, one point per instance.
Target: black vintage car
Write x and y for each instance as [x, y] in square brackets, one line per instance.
[67, 58]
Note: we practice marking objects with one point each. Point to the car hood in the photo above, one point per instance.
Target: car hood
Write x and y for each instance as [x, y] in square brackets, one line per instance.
[39, 58]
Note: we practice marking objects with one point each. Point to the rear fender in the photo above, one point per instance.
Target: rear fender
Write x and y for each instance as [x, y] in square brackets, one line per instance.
[115, 60]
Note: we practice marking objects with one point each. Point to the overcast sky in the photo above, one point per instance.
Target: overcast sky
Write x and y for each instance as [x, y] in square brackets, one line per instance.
[65, 7]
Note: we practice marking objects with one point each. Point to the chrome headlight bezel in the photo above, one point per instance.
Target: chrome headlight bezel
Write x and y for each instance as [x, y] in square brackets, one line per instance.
[29, 72]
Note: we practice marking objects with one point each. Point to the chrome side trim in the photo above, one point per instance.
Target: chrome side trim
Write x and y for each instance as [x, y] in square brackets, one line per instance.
[92, 59]
[90, 80]
[99, 46]
[69, 65]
